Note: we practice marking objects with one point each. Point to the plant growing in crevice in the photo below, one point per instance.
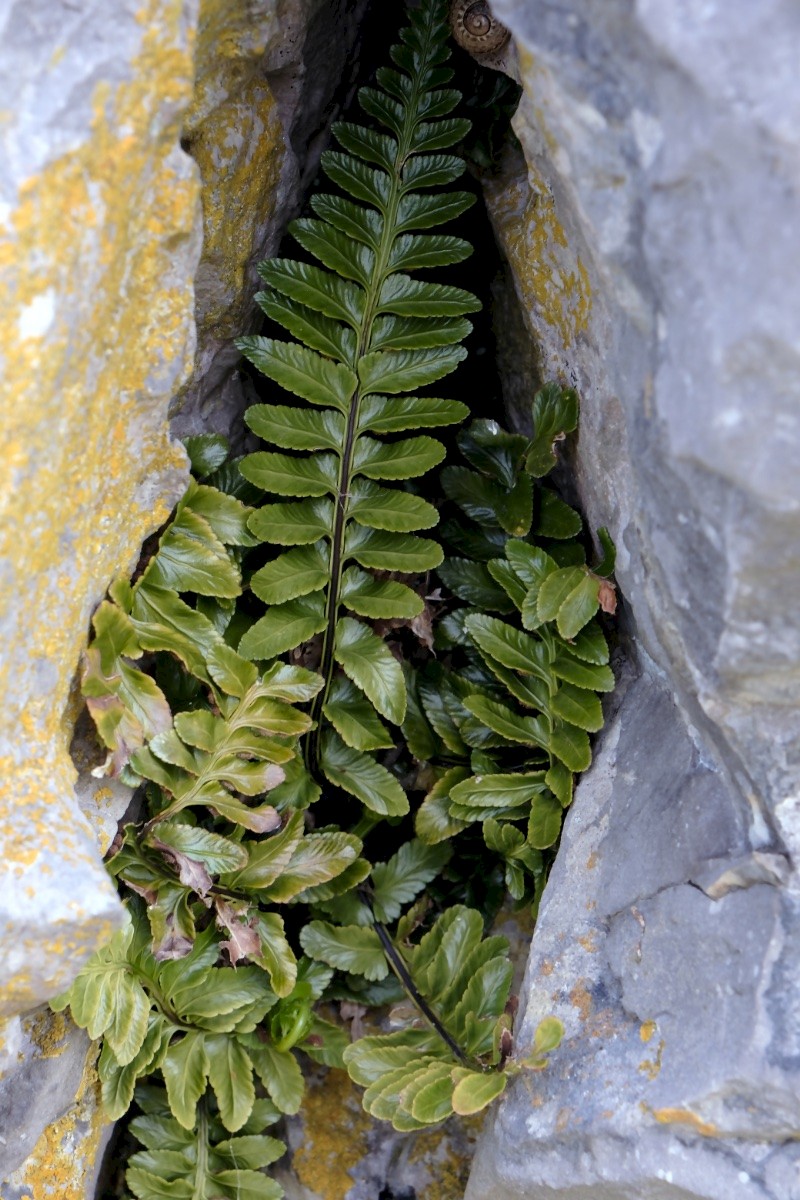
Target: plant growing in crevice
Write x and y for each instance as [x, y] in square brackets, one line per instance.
[251, 680]
[511, 717]
[369, 334]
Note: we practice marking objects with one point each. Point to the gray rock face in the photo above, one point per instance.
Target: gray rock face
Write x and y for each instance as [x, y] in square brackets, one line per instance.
[650, 229]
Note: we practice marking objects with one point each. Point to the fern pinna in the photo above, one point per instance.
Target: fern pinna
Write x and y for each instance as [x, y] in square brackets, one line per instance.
[368, 335]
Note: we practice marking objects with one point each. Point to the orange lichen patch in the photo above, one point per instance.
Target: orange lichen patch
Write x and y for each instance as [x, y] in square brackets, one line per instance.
[335, 1140]
[547, 967]
[63, 1160]
[234, 132]
[588, 942]
[580, 998]
[239, 150]
[682, 1116]
[591, 861]
[652, 1067]
[646, 1030]
[95, 334]
[563, 1119]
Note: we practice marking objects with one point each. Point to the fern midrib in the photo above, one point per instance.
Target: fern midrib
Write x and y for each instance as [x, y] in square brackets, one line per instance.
[380, 272]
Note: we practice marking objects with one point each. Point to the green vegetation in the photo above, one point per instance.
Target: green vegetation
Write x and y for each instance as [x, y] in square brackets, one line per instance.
[343, 761]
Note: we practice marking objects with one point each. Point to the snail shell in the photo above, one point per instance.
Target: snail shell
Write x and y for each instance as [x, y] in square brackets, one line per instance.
[475, 29]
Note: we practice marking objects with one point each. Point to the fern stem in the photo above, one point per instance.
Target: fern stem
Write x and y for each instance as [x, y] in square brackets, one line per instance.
[401, 971]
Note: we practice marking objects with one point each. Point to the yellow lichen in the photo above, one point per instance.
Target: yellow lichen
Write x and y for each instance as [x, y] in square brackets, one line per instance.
[446, 1158]
[63, 1160]
[47, 1030]
[335, 1140]
[646, 1030]
[682, 1116]
[93, 337]
[651, 1067]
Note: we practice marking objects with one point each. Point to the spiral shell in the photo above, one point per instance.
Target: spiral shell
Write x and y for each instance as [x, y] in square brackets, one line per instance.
[475, 29]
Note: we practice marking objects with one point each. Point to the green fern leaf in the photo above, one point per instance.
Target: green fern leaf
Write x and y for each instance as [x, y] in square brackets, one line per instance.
[367, 331]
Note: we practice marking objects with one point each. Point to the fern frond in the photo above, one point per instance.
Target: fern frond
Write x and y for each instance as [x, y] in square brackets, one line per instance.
[519, 714]
[368, 333]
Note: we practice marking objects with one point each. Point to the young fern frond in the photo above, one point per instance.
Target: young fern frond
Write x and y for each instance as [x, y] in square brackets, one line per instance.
[368, 335]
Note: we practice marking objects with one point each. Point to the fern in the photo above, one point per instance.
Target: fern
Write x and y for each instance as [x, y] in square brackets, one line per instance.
[245, 910]
[513, 724]
[204, 1163]
[368, 335]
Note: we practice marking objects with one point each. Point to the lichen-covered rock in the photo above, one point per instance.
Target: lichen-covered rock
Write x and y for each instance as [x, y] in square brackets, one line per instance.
[99, 237]
[649, 222]
[52, 1117]
[268, 83]
[338, 1152]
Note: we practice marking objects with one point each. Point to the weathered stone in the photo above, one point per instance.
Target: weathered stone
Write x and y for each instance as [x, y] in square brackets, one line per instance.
[268, 81]
[648, 221]
[666, 1086]
[99, 237]
[52, 1117]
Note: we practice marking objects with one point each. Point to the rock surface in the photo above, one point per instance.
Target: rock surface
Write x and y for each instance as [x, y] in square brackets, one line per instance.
[649, 221]
[270, 78]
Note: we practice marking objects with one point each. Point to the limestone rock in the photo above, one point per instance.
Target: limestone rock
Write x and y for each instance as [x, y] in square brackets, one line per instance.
[649, 221]
[269, 79]
[51, 1117]
[99, 238]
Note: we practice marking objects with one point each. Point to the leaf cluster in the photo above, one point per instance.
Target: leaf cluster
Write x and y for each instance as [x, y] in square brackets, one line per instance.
[367, 335]
[512, 717]
[256, 889]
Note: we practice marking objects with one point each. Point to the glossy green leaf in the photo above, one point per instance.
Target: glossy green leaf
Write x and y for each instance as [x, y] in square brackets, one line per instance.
[555, 414]
[362, 777]
[389, 508]
[398, 881]
[583, 674]
[284, 627]
[579, 607]
[408, 412]
[396, 460]
[370, 664]
[349, 947]
[301, 371]
[554, 518]
[354, 718]
[294, 573]
[293, 524]
[474, 1091]
[545, 821]
[230, 1073]
[311, 286]
[404, 370]
[385, 551]
[380, 599]
[578, 707]
[499, 791]
[297, 428]
[288, 476]
[206, 451]
[473, 582]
